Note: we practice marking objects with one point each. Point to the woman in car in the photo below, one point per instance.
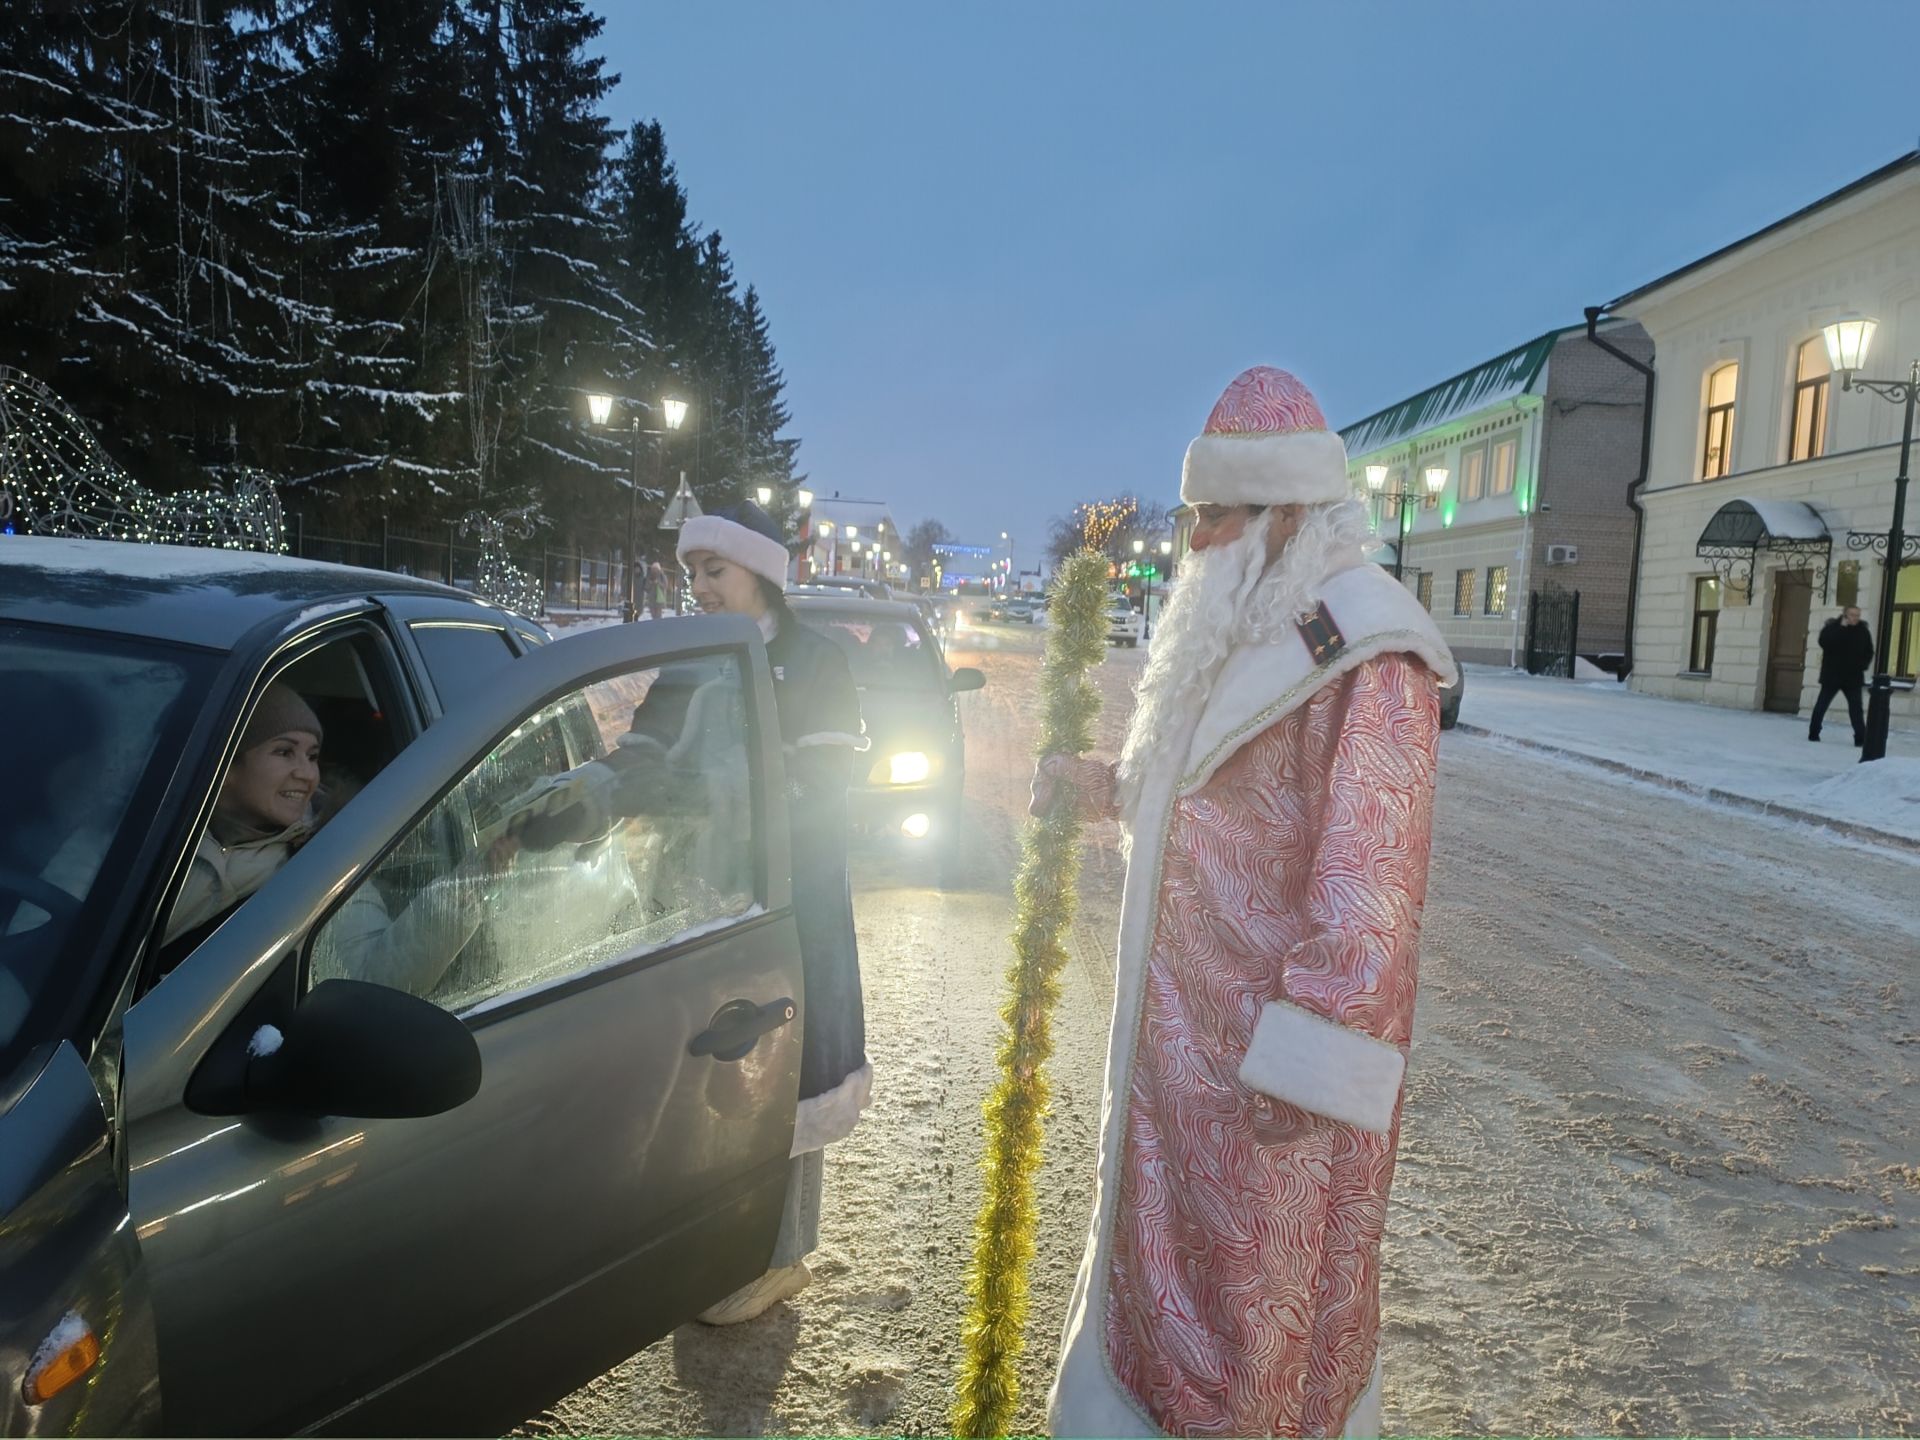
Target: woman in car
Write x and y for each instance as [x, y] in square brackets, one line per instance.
[736, 564]
[263, 813]
[266, 810]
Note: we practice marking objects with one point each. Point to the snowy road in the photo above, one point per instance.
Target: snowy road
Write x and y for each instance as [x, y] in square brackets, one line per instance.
[1657, 1173]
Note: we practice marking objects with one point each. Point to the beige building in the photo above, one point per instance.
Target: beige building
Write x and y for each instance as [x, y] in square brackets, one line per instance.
[1767, 482]
[1538, 447]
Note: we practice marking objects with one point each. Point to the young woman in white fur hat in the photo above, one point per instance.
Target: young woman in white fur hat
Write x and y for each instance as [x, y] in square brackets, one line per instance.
[736, 564]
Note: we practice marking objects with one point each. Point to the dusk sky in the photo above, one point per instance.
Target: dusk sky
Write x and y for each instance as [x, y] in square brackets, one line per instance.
[1012, 253]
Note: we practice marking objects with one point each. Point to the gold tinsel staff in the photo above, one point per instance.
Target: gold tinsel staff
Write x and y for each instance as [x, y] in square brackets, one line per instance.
[1045, 901]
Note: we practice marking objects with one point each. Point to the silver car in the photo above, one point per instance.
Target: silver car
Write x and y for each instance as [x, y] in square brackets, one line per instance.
[428, 1129]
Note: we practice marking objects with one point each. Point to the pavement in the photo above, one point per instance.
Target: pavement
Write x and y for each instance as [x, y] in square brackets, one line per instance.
[1746, 758]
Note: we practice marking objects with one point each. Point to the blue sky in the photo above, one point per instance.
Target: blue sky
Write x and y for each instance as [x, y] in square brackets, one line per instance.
[1012, 253]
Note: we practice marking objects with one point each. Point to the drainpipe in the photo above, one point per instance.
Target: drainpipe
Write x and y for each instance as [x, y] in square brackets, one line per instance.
[1638, 483]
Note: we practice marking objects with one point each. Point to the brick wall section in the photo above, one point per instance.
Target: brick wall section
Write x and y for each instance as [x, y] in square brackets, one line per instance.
[1590, 452]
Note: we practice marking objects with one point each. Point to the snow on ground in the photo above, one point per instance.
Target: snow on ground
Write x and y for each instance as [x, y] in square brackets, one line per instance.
[1656, 1173]
[1748, 754]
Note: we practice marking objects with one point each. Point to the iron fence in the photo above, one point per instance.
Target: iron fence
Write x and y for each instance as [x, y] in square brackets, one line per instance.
[567, 579]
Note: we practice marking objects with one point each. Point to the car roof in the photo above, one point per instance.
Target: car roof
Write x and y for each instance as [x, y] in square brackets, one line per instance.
[192, 596]
[855, 605]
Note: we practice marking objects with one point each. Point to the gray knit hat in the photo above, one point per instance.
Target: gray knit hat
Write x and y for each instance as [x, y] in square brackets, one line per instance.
[280, 710]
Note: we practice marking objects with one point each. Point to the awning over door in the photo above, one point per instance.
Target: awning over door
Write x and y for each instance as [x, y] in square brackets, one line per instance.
[1740, 529]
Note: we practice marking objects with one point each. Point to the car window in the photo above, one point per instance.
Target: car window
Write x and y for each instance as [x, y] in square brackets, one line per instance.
[461, 658]
[92, 726]
[614, 822]
[347, 686]
[881, 650]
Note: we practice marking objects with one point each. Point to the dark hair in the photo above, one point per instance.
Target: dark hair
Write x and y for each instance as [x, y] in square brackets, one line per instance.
[775, 597]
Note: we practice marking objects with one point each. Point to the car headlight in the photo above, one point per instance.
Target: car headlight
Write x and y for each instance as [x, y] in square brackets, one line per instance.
[910, 767]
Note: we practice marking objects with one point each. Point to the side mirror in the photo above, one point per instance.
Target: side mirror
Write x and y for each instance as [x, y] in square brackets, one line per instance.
[967, 679]
[368, 1052]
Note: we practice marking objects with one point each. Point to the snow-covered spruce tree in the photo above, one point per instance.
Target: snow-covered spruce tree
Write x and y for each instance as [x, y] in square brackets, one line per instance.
[1045, 899]
[388, 115]
[550, 160]
[150, 183]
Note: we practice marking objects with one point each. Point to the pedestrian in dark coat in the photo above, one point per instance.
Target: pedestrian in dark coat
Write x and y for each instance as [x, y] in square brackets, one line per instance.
[1846, 650]
[736, 563]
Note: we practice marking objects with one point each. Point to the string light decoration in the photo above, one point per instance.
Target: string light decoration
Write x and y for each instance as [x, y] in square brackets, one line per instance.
[55, 479]
[499, 579]
[1101, 520]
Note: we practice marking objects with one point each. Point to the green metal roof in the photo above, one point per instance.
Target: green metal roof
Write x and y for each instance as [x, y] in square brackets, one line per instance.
[1501, 378]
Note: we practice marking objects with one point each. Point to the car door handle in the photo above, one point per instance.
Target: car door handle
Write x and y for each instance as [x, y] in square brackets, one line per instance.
[737, 1025]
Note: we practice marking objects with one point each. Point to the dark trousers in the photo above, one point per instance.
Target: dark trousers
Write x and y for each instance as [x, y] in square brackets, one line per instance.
[1828, 688]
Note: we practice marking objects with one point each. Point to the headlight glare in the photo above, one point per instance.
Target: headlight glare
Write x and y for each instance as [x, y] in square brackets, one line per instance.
[910, 767]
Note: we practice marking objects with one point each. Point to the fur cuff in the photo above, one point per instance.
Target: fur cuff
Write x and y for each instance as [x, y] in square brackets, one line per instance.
[832, 1115]
[1323, 1066]
[1306, 467]
[732, 541]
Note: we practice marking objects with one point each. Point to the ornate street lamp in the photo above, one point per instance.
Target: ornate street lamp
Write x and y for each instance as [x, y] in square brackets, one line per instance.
[1435, 477]
[764, 495]
[673, 412]
[1847, 342]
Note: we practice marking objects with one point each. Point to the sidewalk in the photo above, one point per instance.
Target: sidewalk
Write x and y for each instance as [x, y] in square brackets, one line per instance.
[1745, 758]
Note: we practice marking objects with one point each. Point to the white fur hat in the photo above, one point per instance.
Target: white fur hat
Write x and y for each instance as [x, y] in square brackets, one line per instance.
[738, 535]
[1266, 443]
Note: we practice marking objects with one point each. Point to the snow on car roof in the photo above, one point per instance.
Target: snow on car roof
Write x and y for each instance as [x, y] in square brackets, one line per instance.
[181, 593]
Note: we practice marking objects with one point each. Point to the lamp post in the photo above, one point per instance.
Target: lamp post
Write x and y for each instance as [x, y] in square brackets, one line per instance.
[1847, 343]
[673, 412]
[1435, 479]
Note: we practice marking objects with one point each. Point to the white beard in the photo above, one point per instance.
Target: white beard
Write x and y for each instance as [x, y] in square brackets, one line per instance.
[1227, 597]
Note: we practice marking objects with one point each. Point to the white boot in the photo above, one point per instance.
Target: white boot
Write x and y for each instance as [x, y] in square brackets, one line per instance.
[760, 1296]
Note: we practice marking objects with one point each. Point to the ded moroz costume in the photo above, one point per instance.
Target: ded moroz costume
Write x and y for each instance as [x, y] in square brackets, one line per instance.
[1264, 986]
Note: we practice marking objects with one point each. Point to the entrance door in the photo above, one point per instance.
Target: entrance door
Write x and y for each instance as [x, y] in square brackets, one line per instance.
[1787, 647]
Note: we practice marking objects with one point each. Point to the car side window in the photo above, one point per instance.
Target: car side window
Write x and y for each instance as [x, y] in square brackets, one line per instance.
[339, 703]
[609, 824]
[461, 658]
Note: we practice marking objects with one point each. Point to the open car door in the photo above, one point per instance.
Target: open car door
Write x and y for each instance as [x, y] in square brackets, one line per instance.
[341, 1231]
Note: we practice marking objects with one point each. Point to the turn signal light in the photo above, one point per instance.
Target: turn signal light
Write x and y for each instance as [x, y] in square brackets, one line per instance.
[73, 1352]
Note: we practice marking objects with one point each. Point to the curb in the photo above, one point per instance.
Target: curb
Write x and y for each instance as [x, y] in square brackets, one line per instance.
[1705, 792]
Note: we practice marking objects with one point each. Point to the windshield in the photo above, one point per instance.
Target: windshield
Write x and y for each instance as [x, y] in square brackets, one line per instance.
[91, 727]
[883, 652]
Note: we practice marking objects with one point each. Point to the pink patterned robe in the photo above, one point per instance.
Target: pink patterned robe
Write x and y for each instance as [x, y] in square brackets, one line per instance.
[1233, 1288]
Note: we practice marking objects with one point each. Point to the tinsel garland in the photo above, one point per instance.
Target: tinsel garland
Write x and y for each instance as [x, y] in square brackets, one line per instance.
[1045, 899]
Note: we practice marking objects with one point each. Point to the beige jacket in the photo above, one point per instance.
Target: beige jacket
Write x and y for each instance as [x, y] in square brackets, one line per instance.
[221, 876]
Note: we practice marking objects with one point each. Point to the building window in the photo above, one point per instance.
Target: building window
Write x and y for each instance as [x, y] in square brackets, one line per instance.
[1473, 473]
[1505, 456]
[1496, 590]
[1906, 623]
[1809, 438]
[1716, 458]
[1463, 592]
[1423, 587]
[1706, 621]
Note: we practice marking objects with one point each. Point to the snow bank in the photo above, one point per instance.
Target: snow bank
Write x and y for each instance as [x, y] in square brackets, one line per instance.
[1871, 793]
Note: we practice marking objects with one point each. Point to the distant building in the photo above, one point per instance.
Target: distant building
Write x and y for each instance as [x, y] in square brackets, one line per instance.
[1767, 484]
[851, 537]
[1539, 446]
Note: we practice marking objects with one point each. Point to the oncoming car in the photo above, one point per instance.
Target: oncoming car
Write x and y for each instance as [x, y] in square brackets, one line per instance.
[914, 775]
[1124, 624]
[433, 1126]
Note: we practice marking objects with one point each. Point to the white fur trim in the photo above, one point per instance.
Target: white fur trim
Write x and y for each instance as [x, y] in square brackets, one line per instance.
[733, 541]
[1260, 683]
[1323, 1066]
[1306, 467]
[831, 1116]
[832, 737]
